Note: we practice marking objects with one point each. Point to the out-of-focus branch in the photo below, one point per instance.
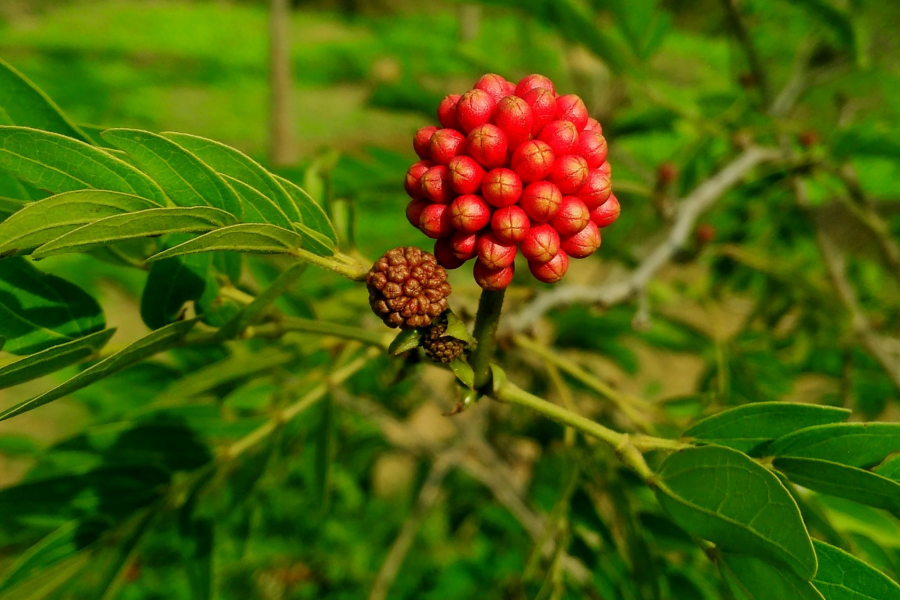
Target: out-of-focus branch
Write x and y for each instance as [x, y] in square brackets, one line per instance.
[690, 209]
[281, 146]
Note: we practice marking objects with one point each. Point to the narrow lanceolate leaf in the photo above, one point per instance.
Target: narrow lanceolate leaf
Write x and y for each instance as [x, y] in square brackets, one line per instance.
[186, 179]
[57, 163]
[45, 220]
[38, 311]
[231, 162]
[266, 209]
[311, 213]
[46, 583]
[845, 577]
[9, 207]
[158, 341]
[723, 496]
[843, 481]
[129, 226]
[53, 359]
[260, 238]
[860, 445]
[24, 104]
[751, 578]
[170, 284]
[747, 427]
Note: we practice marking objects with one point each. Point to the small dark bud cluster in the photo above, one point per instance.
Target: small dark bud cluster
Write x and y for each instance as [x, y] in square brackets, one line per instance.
[514, 167]
[439, 347]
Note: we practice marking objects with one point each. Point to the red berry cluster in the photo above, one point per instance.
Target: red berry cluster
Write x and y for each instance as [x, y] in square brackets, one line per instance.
[515, 167]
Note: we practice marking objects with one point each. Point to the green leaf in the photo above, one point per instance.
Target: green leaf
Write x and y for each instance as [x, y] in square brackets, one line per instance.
[170, 284]
[890, 468]
[266, 209]
[38, 311]
[235, 164]
[457, 329]
[315, 242]
[844, 577]
[53, 359]
[747, 427]
[404, 341]
[57, 163]
[158, 341]
[199, 534]
[860, 445]
[230, 370]
[751, 578]
[723, 496]
[144, 223]
[45, 220]
[61, 544]
[836, 20]
[324, 452]
[24, 104]
[260, 238]
[46, 583]
[186, 179]
[9, 207]
[261, 303]
[311, 213]
[842, 481]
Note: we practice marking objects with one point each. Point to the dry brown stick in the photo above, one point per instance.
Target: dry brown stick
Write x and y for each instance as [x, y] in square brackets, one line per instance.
[690, 209]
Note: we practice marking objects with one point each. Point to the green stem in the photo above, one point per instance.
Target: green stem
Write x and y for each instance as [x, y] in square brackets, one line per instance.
[489, 306]
[347, 332]
[348, 266]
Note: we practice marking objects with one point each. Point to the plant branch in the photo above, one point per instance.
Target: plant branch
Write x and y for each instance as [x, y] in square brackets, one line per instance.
[486, 320]
[326, 328]
[257, 307]
[342, 264]
[694, 205]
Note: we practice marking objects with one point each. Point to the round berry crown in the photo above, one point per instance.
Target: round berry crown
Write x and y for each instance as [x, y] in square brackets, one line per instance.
[512, 168]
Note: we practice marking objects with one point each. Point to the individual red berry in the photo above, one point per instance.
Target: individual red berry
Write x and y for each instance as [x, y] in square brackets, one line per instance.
[493, 279]
[596, 189]
[541, 200]
[469, 213]
[569, 173]
[561, 136]
[543, 108]
[501, 187]
[541, 243]
[553, 270]
[445, 144]
[445, 256]
[513, 117]
[493, 253]
[510, 224]
[532, 160]
[571, 108]
[421, 141]
[493, 84]
[573, 216]
[594, 125]
[666, 173]
[435, 221]
[808, 138]
[413, 182]
[591, 146]
[414, 211]
[463, 244]
[487, 145]
[534, 81]
[606, 214]
[466, 175]
[705, 233]
[447, 111]
[605, 168]
[436, 184]
[582, 244]
[474, 108]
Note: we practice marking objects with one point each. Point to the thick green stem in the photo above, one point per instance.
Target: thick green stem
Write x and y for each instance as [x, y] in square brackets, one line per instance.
[489, 306]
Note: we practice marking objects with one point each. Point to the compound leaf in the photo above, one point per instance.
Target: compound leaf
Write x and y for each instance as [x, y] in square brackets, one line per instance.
[53, 359]
[260, 238]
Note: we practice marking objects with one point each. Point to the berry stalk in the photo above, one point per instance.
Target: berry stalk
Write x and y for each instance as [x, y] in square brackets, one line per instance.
[486, 320]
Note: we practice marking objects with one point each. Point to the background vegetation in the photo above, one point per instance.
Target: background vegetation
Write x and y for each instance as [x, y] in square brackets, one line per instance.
[754, 153]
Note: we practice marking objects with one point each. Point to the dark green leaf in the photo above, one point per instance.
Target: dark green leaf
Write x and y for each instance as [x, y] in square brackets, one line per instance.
[53, 359]
[842, 481]
[830, 16]
[260, 238]
[231, 162]
[890, 468]
[45, 220]
[751, 578]
[170, 284]
[144, 223]
[24, 104]
[860, 445]
[46, 583]
[186, 179]
[311, 213]
[199, 559]
[262, 302]
[844, 577]
[158, 341]
[324, 450]
[38, 311]
[57, 163]
[723, 496]
[747, 427]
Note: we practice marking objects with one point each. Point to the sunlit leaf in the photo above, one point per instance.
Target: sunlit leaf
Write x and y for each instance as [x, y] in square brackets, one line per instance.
[311, 213]
[53, 359]
[260, 238]
[842, 481]
[854, 444]
[844, 577]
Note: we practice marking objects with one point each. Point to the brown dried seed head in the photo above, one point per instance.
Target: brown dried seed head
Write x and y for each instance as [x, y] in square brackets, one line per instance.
[407, 288]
